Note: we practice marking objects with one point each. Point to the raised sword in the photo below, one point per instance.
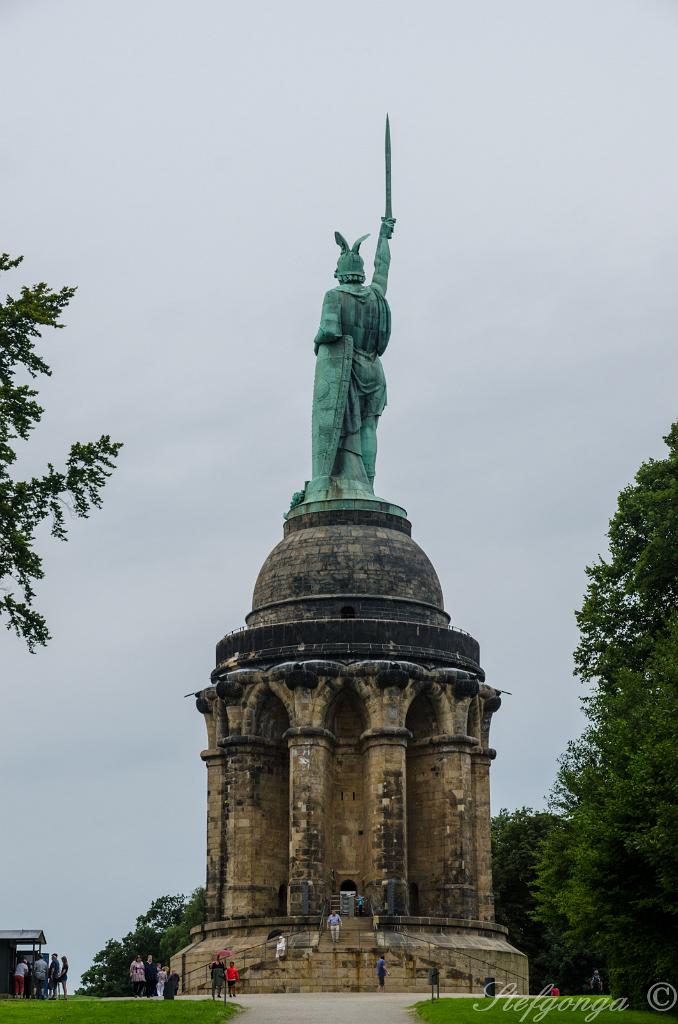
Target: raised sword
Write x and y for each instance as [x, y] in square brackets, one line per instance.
[387, 156]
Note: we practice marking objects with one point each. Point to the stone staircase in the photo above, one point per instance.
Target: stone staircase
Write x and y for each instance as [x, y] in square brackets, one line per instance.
[314, 963]
[349, 965]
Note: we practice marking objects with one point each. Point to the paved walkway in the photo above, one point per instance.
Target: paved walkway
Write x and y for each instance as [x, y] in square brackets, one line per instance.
[320, 1007]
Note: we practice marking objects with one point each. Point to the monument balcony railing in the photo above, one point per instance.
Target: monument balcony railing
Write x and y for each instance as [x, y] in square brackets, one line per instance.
[332, 618]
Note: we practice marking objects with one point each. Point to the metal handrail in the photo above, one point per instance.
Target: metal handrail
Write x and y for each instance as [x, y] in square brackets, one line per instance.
[330, 618]
[323, 915]
[245, 958]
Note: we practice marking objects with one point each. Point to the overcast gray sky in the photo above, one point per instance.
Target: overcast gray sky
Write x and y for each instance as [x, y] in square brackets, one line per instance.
[186, 166]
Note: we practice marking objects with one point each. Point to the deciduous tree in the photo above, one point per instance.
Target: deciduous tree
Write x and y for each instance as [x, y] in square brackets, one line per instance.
[24, 504]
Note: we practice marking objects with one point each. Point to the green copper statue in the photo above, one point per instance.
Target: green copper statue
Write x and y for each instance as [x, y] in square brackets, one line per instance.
[349, 393]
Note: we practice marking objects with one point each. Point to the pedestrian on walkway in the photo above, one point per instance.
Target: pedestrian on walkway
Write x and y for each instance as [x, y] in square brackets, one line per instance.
[151, 976]
[28, 982]
[53, 976]
[63, 976]
[39, 976]
[334, 922]
[171, 985]
[20, 972]
[232, 978]
[381, 974]
[162, 978]
[218, 972]
[138, 976]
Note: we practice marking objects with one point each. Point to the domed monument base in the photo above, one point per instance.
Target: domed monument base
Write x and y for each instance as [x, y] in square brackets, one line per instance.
[348, 753]
[348, 723]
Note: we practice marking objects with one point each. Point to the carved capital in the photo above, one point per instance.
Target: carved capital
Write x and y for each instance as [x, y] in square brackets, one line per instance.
[229, 690]
[394, 675]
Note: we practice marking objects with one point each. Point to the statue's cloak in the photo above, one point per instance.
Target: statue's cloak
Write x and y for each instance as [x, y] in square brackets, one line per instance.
[330, 395]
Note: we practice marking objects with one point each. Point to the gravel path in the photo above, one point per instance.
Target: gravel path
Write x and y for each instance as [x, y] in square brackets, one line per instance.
[328, 1008]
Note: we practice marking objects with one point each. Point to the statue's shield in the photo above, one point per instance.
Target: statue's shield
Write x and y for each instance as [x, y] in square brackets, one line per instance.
[330, 392]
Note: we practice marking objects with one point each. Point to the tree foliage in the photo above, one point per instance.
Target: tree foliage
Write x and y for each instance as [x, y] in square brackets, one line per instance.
[24, 504]
[517, 841]
[609, 873]
[162, 931]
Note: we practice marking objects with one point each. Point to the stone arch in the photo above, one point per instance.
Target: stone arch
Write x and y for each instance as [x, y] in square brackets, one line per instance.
[272, 718]
[271, 777]
[422, 717]
[346, 715]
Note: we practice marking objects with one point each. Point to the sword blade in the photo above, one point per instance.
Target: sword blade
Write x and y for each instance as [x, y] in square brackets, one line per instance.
[387, 154]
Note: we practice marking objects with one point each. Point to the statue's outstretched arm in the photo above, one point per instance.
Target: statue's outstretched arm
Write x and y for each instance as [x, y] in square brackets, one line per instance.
[382, 257]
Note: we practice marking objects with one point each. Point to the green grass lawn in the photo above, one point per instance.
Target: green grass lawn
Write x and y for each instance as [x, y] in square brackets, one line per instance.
[549, 1010]
[83, 1010]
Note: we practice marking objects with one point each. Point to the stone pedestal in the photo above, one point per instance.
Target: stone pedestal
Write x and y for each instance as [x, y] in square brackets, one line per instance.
[348, 747]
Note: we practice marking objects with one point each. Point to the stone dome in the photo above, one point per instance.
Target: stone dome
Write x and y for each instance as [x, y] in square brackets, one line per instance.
[341, 564]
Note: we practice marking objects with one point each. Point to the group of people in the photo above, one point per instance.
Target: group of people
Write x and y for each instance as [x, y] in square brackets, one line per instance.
[151, 979]
[220, 973]
[33, 978]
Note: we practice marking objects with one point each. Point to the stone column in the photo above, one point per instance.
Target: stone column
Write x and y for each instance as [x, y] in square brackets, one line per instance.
[385, 760]
[214, 882]
[458, 894]
[481, 761]
[311, 751]
[249, 889]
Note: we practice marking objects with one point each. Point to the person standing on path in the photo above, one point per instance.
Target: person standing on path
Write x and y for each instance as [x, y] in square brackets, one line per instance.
[151, 976]
[334, 922]
[138, 976]
[162, 978]
[53, 976]
[381, 974]
[39, 976]
[218, 972]
[20, 972]
[171, 985]
[232, 977]
[63, 976]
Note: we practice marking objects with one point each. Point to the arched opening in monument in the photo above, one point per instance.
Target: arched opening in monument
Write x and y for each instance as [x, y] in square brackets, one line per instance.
[425, 831]
[346, 848]
[348, 885]
[273, 784]
[347, 612]
[421, 718]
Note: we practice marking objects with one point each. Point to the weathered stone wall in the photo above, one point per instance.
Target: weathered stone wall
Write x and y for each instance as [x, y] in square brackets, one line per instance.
[348, 811]
[327, 771]
[427, 830]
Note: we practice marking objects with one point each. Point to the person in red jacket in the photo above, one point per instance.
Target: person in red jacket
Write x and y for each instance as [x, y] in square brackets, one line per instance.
[232, 977]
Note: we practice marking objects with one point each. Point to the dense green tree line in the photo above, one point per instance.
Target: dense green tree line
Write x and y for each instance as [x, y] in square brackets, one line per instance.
[162, 931]
[608, 872]
[517, 842]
